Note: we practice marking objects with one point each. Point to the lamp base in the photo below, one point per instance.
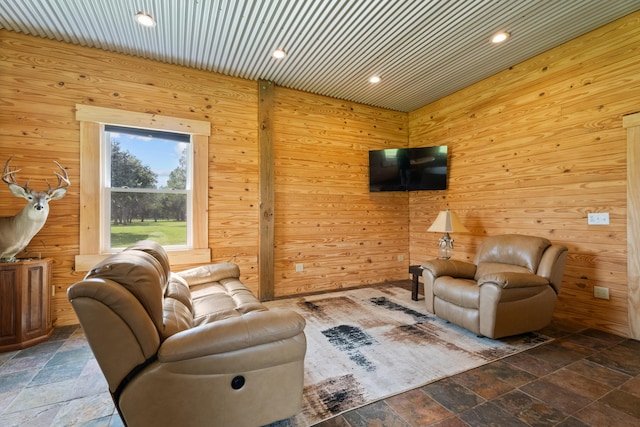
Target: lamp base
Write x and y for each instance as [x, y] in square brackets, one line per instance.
[446, 246]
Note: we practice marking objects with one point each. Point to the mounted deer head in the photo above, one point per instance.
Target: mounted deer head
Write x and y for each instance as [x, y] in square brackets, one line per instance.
[17, 231]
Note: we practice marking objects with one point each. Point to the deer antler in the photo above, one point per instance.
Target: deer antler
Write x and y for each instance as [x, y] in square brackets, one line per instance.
[9, 176]
[61, 179]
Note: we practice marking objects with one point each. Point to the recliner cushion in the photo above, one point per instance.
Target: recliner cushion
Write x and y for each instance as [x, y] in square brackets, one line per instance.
[460, 292]
[141, 274]
[156, 250]
[515, 249]
[513, 280]
[206, 274]
[177, 317]
[178, 306]
[178, 289]
[489, 268]
[227, 298]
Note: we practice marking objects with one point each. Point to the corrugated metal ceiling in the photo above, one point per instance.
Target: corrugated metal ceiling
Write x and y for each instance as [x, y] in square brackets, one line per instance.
[423, 50]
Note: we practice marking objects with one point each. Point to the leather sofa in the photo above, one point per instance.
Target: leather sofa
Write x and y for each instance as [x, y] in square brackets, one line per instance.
[194, 348]
[510, 288]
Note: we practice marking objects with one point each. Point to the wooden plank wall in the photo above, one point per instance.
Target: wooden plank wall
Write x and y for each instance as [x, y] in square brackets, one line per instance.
[41, 81]
[533, 150]
[325, 217]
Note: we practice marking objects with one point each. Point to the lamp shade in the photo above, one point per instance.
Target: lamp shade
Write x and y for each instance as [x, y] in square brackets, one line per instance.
[447, 222]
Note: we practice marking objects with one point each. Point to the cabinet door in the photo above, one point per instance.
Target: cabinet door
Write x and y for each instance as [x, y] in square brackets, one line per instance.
[35, 301]
[25, 315]
[10, 315]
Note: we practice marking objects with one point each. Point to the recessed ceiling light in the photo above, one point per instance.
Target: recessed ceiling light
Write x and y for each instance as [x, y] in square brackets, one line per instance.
[145, 19]
[375, 79]
[500, 37]
[279, 53]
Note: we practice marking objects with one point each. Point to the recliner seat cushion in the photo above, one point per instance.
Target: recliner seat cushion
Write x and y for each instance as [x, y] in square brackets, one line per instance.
[468, 318]
[224, 299]
[489, 268]
[460, 292]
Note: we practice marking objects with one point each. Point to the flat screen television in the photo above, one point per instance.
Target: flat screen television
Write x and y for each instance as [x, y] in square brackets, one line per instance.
[408, 169]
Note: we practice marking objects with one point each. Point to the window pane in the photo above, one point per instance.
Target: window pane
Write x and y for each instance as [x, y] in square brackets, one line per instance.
[140, 216]
[139, 161]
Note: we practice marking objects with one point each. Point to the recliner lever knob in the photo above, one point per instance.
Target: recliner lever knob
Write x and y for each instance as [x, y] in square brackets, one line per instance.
[237, 382]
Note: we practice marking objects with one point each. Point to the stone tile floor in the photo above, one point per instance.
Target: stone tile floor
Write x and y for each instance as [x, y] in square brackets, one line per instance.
[582, 378]
[55, 383]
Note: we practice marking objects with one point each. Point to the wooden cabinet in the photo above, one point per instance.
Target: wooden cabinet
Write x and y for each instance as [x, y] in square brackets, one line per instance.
[25, 301]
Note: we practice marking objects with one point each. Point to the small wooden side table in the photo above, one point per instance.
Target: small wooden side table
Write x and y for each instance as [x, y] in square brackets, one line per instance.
[416, 273]
[25, 298]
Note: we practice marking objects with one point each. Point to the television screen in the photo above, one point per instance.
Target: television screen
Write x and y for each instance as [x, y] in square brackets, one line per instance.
[408, 169]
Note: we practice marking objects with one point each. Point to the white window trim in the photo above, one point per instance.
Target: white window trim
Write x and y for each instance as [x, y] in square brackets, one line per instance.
[91, 121]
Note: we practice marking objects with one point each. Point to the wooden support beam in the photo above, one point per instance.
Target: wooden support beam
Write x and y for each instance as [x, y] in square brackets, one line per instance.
[632, 123]
[266, 272]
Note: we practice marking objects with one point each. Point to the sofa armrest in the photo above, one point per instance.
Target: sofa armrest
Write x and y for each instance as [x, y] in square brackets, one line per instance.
[210, 273]
[510, 280]
[231, 334]
[448, 267]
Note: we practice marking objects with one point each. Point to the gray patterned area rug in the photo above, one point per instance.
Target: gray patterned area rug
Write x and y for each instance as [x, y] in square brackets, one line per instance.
[368, 344]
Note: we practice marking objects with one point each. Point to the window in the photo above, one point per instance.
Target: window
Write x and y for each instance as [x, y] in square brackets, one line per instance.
[142, 176]
[147, 183]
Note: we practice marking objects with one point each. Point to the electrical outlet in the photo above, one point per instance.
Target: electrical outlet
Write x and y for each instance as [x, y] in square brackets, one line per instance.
[598, 218]
[600, 292]
[400, 257]
[299, 267]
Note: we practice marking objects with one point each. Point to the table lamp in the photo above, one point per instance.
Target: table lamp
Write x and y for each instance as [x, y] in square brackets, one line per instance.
[447, 222]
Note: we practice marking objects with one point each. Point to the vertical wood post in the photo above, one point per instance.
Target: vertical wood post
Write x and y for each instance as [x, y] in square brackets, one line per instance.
[266, 272]
[632, 123]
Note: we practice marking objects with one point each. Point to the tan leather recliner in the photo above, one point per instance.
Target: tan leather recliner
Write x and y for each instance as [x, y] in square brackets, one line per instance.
[194, 348]
[511, 288]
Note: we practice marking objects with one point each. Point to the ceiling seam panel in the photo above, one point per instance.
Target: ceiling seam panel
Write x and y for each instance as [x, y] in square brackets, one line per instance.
[241, 43]
[197, 43]
[207, 36]
[308, 49]
[274, 39]
[299, 48]
[367, 61]
[414, 23]
[250, 50]
[225, 42]
[449, 64]
[105, 42]
[335, 65]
